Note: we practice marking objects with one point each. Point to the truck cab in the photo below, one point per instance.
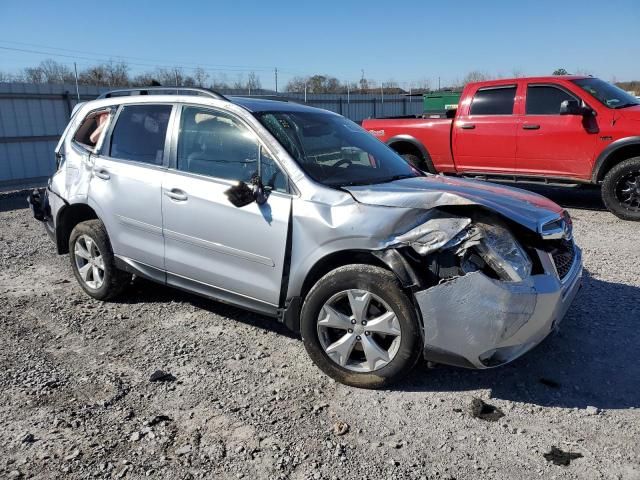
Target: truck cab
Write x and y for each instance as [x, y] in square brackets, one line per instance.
[564, 130]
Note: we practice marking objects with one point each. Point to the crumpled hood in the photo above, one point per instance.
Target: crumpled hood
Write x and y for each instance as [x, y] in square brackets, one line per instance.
[528, 209]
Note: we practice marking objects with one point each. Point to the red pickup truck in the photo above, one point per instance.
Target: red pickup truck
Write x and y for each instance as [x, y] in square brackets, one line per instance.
[557, 130]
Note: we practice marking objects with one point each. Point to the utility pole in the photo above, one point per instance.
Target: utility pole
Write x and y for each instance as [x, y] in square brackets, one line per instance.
[348, 100]
[438, 83]
[75, 69]
[305, 92]
[276, 73]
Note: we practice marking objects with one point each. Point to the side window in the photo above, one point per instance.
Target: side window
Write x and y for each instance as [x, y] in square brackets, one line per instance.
[545, 100]
[494, 101]
[91, 130]
[217, 145]
[140, 132]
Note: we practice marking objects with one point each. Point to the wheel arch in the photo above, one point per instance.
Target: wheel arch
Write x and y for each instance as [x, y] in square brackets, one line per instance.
[68, 217]
[614, 153]
[389, 259]
[409, 144]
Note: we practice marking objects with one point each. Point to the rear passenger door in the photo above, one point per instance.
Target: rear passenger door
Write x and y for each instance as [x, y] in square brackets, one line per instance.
[231, 253]
[484, 133]
[126, 181]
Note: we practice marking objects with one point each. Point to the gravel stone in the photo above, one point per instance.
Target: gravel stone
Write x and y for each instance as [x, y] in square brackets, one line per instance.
[74, 373]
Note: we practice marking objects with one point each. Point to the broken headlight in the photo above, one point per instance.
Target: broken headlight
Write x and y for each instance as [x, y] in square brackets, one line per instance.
[503, 253]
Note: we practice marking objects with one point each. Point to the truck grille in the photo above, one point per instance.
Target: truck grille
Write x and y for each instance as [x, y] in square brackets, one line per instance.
[563, 255]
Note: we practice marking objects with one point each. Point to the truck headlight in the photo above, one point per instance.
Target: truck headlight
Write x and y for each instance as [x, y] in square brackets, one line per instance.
[503, 253]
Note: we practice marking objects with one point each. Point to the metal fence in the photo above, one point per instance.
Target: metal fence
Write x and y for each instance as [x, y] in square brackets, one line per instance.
[32, 118]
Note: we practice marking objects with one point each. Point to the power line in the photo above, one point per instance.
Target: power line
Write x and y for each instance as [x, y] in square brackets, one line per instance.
[182, 66]
[105, 55]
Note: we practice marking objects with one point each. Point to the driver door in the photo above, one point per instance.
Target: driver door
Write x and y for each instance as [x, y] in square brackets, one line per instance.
[231, 253]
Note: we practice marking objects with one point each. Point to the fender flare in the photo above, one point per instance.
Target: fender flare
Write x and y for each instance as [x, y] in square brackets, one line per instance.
[610, 150]
[413, 141]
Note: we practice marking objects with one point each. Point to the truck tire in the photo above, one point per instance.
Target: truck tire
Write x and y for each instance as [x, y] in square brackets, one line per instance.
[420, 163]
[93, 262]
[360, 328]
[621, 189]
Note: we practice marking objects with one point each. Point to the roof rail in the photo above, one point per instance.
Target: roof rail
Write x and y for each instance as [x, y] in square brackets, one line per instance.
[205, 92]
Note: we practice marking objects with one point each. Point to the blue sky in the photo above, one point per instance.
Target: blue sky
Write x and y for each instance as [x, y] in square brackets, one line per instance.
[406, 41]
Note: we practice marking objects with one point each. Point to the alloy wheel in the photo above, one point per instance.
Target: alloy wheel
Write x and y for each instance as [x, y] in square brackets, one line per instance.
[358, 330]
[628, 191]
[89, 262]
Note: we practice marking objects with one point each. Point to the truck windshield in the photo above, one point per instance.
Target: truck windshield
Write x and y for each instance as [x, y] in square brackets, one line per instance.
[608, 94]
[335, 151]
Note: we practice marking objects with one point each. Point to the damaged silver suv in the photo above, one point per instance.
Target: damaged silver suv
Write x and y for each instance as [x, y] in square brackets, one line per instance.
[299, 214]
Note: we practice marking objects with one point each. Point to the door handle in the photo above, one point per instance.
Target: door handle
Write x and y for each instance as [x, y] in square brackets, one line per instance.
[529, 126]
[467, 126]
[102, 173]
[176, 194]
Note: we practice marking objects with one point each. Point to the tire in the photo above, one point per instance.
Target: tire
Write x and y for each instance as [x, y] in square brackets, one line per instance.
[380, 291]
[90, 237]
[420, 163]
[621, 190]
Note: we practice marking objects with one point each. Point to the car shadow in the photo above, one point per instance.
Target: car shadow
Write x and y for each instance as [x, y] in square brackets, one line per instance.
[142, 290]
[592, 360]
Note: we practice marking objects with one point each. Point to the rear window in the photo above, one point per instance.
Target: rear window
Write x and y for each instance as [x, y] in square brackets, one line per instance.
[545, 100]
[140, 132]
[92, 128]
[493, 101]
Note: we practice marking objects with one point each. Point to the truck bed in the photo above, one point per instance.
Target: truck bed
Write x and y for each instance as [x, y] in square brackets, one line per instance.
[433, 133]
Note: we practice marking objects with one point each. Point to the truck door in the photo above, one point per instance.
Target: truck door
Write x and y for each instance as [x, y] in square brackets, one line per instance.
[550, 144]
[484, 133]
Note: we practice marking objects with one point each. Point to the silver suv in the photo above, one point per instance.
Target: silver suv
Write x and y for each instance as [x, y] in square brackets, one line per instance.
[299, 214]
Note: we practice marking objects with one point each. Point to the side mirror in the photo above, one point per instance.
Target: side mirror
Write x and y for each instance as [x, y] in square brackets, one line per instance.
[243, 194]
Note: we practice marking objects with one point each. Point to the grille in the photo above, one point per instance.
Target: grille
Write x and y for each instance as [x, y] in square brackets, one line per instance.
[563, 256]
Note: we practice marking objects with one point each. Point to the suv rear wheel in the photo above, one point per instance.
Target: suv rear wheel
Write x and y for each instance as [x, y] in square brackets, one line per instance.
[360, 328]
[93, 262]
[621, 189]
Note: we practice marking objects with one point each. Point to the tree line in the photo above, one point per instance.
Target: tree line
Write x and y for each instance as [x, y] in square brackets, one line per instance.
[118, 74]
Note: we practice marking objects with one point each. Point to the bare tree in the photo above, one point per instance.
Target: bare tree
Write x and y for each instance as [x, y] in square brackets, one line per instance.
[253, 82]
[475, 76]
[560, 71]
[200, 77]
[296, 85]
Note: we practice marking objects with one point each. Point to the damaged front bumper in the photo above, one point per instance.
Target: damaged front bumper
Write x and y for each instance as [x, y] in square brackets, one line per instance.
[477, 322]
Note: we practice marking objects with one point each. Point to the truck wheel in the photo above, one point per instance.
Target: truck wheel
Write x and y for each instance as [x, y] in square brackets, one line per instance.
[360, 328]
[421, 164]
[93, 262]
[621, 190]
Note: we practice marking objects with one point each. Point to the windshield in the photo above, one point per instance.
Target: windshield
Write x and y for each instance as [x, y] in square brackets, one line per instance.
[335, 151]
[608, 94]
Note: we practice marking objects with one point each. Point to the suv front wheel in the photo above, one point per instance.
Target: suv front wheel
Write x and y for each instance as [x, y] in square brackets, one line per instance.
[93, 262]
[360, 328]
[621, 189]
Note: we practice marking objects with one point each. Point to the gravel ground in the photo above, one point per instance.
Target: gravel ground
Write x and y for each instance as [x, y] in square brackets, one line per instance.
[240, 399]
